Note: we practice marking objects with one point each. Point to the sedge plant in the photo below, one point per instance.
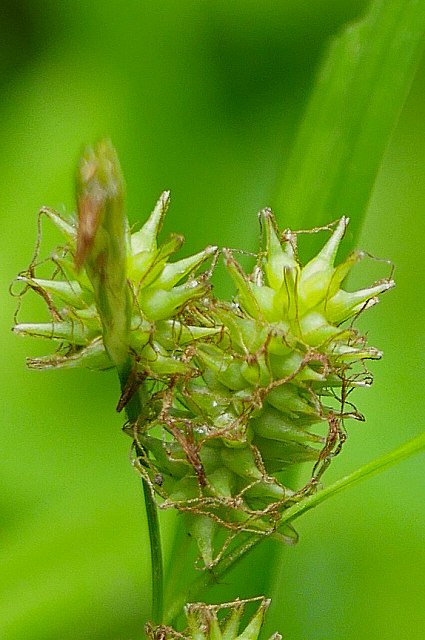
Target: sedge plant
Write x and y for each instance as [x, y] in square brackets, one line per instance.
[225, 397]
[221, 396]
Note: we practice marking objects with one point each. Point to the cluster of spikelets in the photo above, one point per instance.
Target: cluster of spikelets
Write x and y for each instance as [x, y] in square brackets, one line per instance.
[221, 396]
[206, 622]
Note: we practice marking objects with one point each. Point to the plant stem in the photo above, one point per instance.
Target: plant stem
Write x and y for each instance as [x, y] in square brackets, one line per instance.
[370, 469]
[177, 567]
[233, 557]
[133, 408]
[156, 553]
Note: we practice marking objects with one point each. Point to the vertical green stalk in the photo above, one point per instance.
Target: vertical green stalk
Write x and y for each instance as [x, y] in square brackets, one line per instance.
[101, 248]
[156, 553]
[133, 410]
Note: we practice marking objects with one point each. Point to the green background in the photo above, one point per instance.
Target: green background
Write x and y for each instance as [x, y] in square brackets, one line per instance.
[203, 98]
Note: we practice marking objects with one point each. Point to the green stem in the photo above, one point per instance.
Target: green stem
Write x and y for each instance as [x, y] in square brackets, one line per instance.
[366, 471]
[177, 566]
[133, 409]
[235, 556]
[156, 553]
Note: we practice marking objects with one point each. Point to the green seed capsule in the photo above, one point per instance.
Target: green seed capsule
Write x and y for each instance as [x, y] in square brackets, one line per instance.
[271, 424]
[172, 273]
[289, 399]
[226, 368]
[263, 493]
[316, 276]
[278, 455]
[257, 371]
[343, 305]
[93, 357]
[241, 462]
[68, 292]
[203, 529]
[280, 259]
[75, 332]
[159, 304]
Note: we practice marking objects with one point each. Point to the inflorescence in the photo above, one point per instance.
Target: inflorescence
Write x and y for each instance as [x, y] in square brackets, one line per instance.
[230, 393]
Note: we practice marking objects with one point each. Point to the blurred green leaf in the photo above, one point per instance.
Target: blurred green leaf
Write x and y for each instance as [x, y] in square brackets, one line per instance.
[360, 90]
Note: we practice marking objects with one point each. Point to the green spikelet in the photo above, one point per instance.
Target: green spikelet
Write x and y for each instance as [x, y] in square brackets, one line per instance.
[114, 297]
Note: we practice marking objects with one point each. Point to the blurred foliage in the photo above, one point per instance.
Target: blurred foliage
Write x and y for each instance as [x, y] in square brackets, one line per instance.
[203, 98]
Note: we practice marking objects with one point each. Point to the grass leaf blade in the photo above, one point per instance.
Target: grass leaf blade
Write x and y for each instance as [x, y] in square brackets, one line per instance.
[410, 448]
[354, 107]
